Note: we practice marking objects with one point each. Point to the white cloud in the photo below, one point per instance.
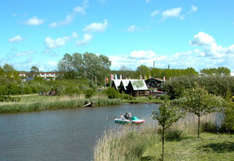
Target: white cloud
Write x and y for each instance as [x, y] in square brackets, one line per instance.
[34, 21]
[55, 43]
[194, 8]
[132, 28]
[69, 18]
[147, 1]
[207, 54]
[202, 39]
[74, 35]
[80, 9]
[15, 39]
[86, 39]
[142, 54]
[96, 27]
[154, 13]
[174, 12]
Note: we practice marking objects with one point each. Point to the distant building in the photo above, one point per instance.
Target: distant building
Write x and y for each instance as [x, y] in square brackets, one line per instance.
[137, 88]
[45, 75]
[22, 74]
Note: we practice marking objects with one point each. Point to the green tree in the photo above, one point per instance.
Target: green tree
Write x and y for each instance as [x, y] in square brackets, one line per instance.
[166, 116]
[223, 71]
[34, 69]
[199, 102]
[143, 71]
[8, 68]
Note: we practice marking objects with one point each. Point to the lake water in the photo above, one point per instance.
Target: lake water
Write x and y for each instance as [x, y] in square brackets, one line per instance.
[62, 135]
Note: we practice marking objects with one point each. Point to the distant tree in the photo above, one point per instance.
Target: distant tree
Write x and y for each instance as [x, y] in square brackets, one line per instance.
[34, 69]
[8, 68]
[144, 71]
[166, 116]
[199, 102]
[88, 65]
[223, 71]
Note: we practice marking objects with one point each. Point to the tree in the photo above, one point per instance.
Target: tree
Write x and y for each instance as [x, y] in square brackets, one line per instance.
[166, 116]
[223, 71]
[8, 68]
[199, 102]
[34, 69]
[143, 71]
[87, 65]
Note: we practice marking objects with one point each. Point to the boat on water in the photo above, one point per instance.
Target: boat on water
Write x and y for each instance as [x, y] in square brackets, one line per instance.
[132, 120]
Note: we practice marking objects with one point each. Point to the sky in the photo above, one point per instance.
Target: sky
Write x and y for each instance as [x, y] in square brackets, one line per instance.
[179, 33]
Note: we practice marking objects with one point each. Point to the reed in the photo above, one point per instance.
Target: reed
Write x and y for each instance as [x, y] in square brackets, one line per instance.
[41, 103]
[143, 143]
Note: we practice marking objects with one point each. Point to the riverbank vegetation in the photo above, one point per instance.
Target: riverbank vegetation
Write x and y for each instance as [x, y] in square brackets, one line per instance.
[144, 144]
[40, 103]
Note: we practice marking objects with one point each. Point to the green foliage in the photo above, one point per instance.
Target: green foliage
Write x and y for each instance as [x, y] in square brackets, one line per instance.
[143, 71]
[223, 71]
[199, 102]
[9, 99]
[167, 114]
[173, 134]
[229, 116]
[112, 93]
[217, 85]
[89, 93]
[88, 65]
[126, 96]
[169, 73]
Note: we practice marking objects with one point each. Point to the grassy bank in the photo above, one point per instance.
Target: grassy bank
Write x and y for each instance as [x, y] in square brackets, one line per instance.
[34, 102]
[40, 103]
[137, 100]
[181, 145]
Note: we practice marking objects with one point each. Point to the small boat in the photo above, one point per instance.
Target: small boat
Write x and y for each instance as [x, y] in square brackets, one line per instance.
[133, 120]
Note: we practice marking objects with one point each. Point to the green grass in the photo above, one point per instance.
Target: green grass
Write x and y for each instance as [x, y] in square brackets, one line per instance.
[210, 147]
[40, 103]
[143, 100]
[182, 144]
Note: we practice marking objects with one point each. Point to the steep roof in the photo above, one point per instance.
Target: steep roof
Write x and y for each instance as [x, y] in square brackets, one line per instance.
[125, 83]
[138, 85]
[116, 83]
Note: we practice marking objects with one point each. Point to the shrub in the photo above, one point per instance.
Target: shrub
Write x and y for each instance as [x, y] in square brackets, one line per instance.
[89, 93]
[229, 117]
[112, 93]
[126, 96]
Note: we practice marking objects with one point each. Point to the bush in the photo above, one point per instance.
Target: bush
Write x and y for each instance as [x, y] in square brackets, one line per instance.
[229, 117]
[164, 97]
[112, 93]
[172, 134]
[126, 96]
[9, 99]
[217, 85]
[89, 93]
[209, 127]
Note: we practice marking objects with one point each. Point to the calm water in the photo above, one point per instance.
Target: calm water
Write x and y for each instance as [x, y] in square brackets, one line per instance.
[63, 135]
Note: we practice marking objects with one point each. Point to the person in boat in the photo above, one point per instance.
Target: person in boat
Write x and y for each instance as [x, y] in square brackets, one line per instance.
[126, 115]
[122, 117]
[130, 116]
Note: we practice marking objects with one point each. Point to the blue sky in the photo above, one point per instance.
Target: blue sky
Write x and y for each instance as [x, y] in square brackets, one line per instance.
[182, 33]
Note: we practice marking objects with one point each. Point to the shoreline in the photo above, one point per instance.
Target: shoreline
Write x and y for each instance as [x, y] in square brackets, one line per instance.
[38, 104]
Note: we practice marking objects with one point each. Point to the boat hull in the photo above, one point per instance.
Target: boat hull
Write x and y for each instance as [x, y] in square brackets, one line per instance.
[121, 121]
